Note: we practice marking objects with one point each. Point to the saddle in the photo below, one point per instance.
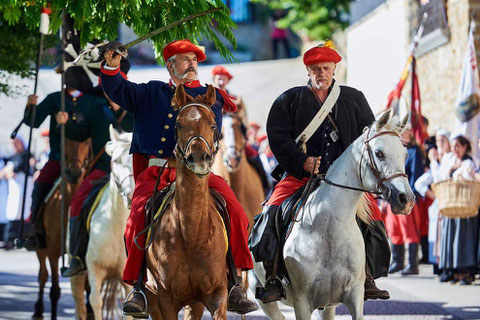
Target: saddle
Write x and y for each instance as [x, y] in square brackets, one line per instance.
[160, 201]
[93, 199]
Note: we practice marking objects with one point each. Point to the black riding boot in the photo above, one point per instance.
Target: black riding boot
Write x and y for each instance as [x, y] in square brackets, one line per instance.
[78, 247]
[237, 300]
[398, 258]
[412, 267]
[136, 304]
[424, 244]
[36, 239]
[274, 290]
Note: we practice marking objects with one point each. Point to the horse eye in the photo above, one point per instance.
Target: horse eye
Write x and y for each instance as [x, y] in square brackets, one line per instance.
[379, 154]
[214, 127]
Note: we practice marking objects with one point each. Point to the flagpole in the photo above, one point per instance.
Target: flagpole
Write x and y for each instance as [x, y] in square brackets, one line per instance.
[62, 146]
[32, 113]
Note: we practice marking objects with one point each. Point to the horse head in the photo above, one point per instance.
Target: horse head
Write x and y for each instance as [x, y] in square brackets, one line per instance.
[382, 162]
[196, 130]
[76, 158]
[117, 149]
[234, 134]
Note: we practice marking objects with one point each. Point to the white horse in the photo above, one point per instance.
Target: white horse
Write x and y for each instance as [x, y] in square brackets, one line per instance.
[325, 252]
[106, 255]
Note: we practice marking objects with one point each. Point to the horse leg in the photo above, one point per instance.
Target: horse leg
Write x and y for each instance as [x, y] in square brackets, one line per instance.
[167, 307]
[77, 284]
[42, 279]
[153, 307]
[271, 310]
[302, 308]
[217, 303]
[328, 313]
[55, 291]
[245, 285]
[193, 311]
[354, 302]
[95, 279]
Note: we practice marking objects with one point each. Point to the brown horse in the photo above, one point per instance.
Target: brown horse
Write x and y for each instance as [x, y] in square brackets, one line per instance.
[231, 164]
[76, 155]
[187, 256]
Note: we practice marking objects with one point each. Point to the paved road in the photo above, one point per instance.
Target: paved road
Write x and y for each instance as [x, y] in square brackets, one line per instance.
[414, 297]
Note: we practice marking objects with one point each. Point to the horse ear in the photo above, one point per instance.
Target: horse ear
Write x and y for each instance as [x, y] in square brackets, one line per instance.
[179, 98]
[383, 119]
[404, 122]
[109, 147]
[114, 136]
[211, 95]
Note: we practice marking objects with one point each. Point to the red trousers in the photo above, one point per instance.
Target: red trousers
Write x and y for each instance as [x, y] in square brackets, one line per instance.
[83, 190]
[50, 172]
[403, 229]
[288, 186]
[145, 183]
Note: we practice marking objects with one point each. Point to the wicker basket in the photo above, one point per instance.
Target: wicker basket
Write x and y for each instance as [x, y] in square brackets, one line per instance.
[458, 198]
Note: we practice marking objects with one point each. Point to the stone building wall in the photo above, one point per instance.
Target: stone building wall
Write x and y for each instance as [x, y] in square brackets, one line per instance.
[439, 70]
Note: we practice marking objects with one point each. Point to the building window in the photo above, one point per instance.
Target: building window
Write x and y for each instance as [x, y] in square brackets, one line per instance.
[436, 30]
[240, 10]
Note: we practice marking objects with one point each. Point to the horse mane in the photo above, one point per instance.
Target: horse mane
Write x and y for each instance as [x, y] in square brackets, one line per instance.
[364, 211]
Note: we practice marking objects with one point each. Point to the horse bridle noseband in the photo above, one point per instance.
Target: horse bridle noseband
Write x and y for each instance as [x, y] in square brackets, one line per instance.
[211, 151]
[381, 189]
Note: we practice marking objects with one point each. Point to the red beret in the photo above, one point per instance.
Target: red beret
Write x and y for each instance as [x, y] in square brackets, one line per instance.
[182, 46]
[321, 54]
[222, 71]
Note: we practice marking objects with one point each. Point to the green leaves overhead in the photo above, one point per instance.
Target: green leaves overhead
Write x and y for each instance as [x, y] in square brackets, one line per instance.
[99, 19]
[318, 19]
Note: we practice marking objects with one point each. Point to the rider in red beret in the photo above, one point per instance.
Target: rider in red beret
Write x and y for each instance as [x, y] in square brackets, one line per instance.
[153, 143]
[291, 112]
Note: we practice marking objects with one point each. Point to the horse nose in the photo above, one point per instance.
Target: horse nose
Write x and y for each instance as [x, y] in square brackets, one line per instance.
[402, 198]
[190, 159]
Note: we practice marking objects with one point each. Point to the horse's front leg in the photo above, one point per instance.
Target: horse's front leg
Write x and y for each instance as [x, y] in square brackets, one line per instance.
[77, 284]
[354, 301]
[96, 276]
[55, 291]
[302, 308]
[217, 303]
[193, 311]
[42, 280]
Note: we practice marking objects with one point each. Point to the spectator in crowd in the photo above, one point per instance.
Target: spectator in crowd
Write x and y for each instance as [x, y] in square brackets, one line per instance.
[405, 229]
[422, 185]
[279, 35]
[459, 238]
[14, 173]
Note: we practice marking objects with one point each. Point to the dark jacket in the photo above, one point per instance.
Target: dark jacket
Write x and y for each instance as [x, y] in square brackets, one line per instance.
[292, 112]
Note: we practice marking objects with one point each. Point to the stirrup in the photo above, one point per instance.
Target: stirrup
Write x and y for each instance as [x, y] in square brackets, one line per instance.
[142, 315]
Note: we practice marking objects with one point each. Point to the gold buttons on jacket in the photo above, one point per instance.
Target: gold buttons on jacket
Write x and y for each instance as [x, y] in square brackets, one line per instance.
[160, 151]
[163, 139]
[169, 115]
[166, 126]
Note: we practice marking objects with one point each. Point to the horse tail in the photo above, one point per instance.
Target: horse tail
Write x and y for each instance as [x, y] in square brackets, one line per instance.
[113, 295]
[364, 211]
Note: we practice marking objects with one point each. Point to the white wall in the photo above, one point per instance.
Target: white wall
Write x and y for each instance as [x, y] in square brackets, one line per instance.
[377, 49]
[259, 84]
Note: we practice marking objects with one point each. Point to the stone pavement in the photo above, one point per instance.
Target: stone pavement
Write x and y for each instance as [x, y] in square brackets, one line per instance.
[413, 297]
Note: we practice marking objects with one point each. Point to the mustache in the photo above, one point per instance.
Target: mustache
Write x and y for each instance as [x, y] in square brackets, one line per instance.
[191, 69]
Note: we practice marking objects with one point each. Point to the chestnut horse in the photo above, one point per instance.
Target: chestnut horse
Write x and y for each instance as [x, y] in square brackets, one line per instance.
[187, 257]
[76, 157]
[231, 164]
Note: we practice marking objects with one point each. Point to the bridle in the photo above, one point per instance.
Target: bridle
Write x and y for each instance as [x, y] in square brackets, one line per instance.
[236, 149]
[381, 189]
[211, 150]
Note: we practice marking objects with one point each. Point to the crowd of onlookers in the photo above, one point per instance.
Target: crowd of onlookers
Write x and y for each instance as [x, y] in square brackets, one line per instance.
[12, 179]
[451, 245]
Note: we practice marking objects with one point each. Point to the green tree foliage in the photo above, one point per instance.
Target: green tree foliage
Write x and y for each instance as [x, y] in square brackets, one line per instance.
[18, 52]
[318, 19]
[99, 20]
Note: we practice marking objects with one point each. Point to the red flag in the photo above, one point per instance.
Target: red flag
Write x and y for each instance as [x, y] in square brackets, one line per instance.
[415, 109]
[394, 95]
